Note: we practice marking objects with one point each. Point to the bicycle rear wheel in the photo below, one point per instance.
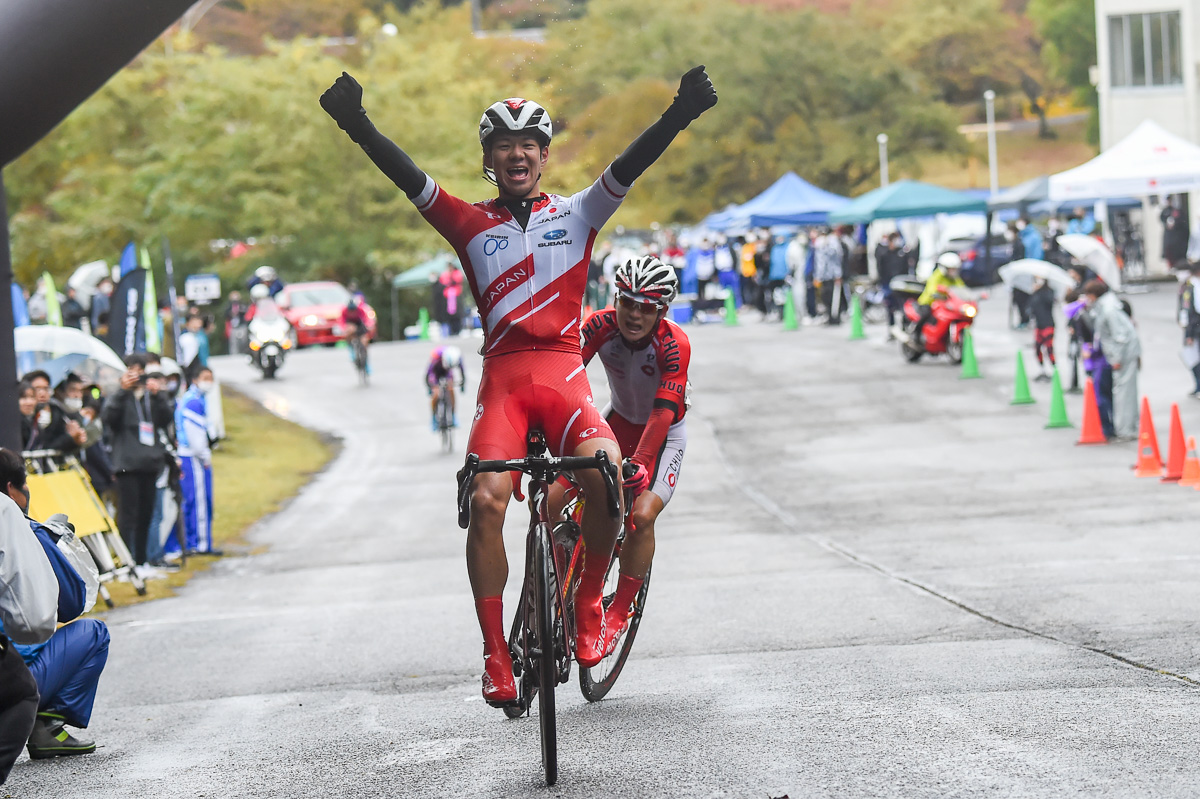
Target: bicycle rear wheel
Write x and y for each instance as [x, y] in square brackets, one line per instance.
[545, 661]
[446, 423]
[596, 682]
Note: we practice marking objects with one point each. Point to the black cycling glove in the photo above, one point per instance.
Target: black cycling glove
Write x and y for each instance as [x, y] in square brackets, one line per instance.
[343, 102]
[695, 96]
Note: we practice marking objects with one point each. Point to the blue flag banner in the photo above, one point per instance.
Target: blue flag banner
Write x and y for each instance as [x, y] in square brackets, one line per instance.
[20, 309]
[129, 259]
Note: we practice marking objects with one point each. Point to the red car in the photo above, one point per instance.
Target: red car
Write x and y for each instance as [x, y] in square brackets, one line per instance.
[315, 311]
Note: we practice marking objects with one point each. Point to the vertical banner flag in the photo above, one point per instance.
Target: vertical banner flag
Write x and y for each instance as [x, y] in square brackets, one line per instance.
[20, 319]
[128, 259]
[126, 319]
[176, 322]
[151, 323]
[53, 310]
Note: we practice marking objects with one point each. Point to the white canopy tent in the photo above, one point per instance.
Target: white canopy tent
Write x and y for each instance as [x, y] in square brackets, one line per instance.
[1149, 161]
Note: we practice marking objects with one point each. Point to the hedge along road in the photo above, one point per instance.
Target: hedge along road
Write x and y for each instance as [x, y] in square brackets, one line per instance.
[876, 579]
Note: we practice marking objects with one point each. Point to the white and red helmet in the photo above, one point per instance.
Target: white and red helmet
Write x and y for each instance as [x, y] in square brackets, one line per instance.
[515, 115]
[647, 279]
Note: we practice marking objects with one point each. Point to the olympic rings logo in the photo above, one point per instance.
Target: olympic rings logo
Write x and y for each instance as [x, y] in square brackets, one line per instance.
[492, 246]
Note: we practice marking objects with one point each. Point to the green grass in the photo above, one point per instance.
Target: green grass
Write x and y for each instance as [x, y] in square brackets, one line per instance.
[263, 461]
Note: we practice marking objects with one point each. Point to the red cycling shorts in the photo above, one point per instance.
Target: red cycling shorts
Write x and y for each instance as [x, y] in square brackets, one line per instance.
[543, 390]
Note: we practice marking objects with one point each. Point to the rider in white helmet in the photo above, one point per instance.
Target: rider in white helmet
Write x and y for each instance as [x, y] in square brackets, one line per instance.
[525, 255]
[266, 276]
[442, 364]
[947, 275]
[645, 358]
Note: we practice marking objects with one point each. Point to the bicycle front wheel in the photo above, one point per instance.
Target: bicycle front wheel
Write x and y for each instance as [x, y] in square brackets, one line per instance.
[547, 665]
[596, 682]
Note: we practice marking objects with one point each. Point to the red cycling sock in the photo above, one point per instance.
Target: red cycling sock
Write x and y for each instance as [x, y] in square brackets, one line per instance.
[591, 579]
[490, 610]
[627, 588]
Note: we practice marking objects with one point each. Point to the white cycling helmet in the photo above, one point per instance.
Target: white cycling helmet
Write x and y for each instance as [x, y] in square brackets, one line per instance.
[260, 291]
[451, 357]
[949, 260]
[515, 115]
[266, 274]
[647, 279]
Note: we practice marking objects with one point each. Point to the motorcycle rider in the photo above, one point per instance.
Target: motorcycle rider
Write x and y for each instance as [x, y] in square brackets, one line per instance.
[442, 364]
[265, 276]
[946, 276]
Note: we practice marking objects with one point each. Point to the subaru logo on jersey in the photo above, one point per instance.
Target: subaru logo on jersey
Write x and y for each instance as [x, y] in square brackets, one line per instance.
[555, 235]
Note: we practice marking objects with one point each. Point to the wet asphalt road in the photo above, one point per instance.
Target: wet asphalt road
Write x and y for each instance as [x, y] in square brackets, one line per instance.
[876, 579]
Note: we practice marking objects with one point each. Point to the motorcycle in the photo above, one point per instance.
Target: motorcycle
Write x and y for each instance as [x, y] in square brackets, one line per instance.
[271, 336]
[944, 331]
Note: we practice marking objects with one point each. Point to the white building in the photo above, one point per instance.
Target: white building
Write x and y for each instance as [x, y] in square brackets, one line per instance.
[1148, 67]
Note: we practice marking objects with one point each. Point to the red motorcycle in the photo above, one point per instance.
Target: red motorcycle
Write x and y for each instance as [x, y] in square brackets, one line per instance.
[944, 330]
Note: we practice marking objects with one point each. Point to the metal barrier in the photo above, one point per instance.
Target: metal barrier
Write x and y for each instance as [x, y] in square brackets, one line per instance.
[59, 484]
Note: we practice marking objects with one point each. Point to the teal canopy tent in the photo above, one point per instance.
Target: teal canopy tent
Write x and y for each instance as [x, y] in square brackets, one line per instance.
[419, 275]
[906, 198]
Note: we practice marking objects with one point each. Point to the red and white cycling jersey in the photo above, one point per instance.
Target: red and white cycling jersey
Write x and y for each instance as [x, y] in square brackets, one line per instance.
[642, 380]
[527, 283]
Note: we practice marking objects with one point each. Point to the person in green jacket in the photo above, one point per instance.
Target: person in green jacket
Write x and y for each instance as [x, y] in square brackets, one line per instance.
[946, 276]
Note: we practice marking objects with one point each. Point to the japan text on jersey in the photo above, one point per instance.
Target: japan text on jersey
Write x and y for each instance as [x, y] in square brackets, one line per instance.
[527, 283]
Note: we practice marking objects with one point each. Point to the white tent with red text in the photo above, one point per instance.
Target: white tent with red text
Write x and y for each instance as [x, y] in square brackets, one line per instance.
[1149, 161]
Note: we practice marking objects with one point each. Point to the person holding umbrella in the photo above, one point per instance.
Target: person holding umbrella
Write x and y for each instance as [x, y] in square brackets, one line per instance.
[1122, 347]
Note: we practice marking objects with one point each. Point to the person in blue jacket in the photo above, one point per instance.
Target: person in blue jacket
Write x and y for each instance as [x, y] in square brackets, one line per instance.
[195, 455]
[67, 667]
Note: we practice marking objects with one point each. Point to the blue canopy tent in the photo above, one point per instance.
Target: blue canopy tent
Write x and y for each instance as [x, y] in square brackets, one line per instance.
[791, 200]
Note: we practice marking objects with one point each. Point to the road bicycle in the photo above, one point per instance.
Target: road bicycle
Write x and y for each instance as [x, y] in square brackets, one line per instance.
[445, 414]
[543, 630]
[596, 681]
[359, 348]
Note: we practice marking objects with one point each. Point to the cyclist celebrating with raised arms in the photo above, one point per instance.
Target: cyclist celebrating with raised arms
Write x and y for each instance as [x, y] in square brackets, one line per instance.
[526, 255]
[646, 360]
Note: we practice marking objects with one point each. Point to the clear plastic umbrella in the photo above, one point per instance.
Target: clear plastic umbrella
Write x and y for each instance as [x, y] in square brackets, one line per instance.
[1021, 274]
[48, 344]
[1092, 253]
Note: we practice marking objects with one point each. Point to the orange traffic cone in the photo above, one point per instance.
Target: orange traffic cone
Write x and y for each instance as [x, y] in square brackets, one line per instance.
[1149, 462]
[1175, 452]
[1191, 467]
[1092, 432]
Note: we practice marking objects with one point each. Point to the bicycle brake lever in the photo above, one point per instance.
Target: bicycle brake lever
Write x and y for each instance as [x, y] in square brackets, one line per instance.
[608, 470]
[466, 475]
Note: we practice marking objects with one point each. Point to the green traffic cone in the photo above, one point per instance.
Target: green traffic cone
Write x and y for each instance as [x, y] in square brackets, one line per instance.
[789, 311]
[423, 321]
[1058, 405]
[856, 328]
[1021, 395]
[970, 367]
[730, 310]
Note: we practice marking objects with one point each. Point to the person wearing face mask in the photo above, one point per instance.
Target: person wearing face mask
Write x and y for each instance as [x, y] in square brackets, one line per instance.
[56, 430]
[27, 405]
[68, 395]
[195, 457]
[138, 417]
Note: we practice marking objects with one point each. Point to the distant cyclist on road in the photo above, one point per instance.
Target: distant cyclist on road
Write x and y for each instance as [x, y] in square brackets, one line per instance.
[525, 255]
[354, 318]
[646, 359]
[442, 364]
